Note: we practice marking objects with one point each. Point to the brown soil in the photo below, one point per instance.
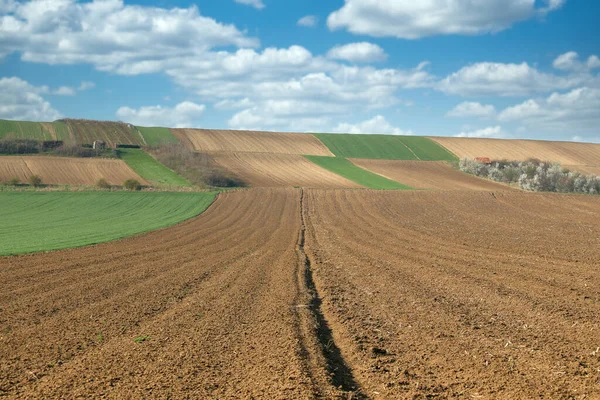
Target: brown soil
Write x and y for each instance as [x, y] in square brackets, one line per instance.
[584, 169]
[254, 142]
[287, 294]
[568, 153]
[276, 170]
[428, 175]
[112, 133]
[461, 294]
[66, 171]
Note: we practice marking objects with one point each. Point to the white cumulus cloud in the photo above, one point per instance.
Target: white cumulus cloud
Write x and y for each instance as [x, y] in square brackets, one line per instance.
[500, 79]
[183, 115]
[19, 100]
[489, 132]
[358, 52]
[570, 62]
[472, 109]
[412, 19]
[258, 4]
[308, 21]
[376, 125]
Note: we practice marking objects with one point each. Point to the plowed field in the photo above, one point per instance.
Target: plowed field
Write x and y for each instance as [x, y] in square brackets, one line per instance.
[276, 170]
[461, 294]
[252, 142]
[427, 175]
[568, 153]
[291, 294]
[66, 171]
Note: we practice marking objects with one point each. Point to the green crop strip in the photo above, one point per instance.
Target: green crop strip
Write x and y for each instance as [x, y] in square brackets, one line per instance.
[42, 221]
[385, 147]
[157, 136]
[345, 168]
[150, 169]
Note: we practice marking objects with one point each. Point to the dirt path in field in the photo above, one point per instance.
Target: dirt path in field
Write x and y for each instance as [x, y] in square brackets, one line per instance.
[295, 294]
[461, 294]
[427, 175]
[218, 306]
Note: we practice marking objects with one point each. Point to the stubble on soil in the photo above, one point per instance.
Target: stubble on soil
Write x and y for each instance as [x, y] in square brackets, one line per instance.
[461, 294]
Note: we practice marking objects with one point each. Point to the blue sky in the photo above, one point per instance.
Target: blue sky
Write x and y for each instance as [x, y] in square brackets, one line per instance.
[487, 68]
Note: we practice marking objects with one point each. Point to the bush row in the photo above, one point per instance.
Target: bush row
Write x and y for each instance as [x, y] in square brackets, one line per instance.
[36, 181]
[534, 175]
[198, 168]
[32, 146]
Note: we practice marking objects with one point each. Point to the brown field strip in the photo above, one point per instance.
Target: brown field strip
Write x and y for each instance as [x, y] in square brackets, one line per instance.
[65, 170]
[253, 142]
[568, 153]
[427, 175]
[277, 170]
[461, 294]
[584, 169]
[290, 294]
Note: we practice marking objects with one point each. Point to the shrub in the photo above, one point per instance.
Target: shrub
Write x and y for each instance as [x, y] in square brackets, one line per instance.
[35, 180]
[19, 146]
[132, 184]
[103, 184]
[14, 182]
[75, 151]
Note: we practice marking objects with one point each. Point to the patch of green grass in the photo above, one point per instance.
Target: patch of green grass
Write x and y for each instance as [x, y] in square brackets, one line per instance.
[385, 147]
[150, 169]
[345, 168]
[155, 136]
[41, 221]
[141, 339]
[33, 130]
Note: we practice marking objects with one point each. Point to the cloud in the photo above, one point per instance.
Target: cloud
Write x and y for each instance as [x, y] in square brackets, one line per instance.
[233, 104]
[570, 62]
[409, 19]
[490, 132]
[376, 125]
[574, 110]
[358, 52]
[183, 115]
[86, 85]
[258, 4]
[482, 79]
[64, 91]
[472, 109]
[19, 100]
[110, 35]
[309, 21]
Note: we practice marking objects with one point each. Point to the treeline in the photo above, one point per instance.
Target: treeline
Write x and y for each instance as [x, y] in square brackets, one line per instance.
[11, 146]
[534, 175]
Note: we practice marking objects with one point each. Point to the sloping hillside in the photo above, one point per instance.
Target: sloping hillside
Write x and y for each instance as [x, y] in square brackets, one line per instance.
[566, 153]
[34, 130]
[87, 131]
[276, 170]
[251, 142]
[65, 170]
[427, 175]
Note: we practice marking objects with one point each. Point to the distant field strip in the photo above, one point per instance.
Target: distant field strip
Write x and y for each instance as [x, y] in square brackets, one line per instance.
[365, 178]
[150, 169]
[65, 170]
[251, 142]
[34, 130]
[157, 136]
[428, 175]
[41, 221]
[87, 131]
[277, 170]
[386, 147]
[567, 153]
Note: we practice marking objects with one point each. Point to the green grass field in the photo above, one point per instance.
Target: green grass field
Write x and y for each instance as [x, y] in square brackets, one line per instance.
[386, 147]
[33, 130]
[42, 221]
[157, 136]
[345, 168]
[150, 169]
